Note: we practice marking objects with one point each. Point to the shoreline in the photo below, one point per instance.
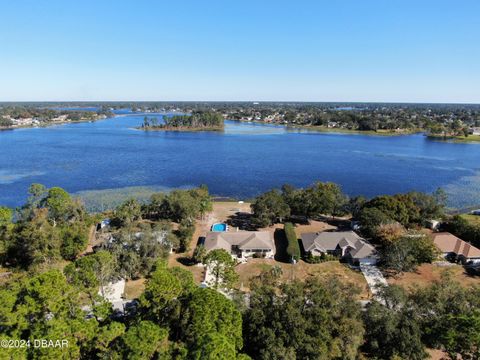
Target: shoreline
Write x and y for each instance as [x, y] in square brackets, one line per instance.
[471, 139]
[180, 129]
[323, 129]
[52, 123]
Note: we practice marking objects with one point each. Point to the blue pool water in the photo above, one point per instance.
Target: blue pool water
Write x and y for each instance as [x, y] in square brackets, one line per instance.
[241, 162]
[219, 227]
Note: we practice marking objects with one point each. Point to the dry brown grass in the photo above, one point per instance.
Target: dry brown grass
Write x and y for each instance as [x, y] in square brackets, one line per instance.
[437, 354]
[427, 273]
[301, 271]
[134, 288]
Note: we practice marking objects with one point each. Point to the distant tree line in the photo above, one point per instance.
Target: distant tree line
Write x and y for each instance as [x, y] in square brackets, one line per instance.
[196, 120]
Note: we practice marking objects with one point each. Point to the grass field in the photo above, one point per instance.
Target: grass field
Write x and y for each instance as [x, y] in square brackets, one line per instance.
[472, 219]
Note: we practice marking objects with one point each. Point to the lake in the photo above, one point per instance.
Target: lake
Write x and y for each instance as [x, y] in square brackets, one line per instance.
[241, 162]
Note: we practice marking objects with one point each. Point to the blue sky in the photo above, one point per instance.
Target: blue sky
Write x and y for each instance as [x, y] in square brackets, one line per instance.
[384, 50]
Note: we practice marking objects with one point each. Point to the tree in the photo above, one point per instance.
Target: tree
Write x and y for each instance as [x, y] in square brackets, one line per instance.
[222, 267]
[209, 314]
[449, 316]
[160, 301]
[312, 320]
[199, 254]
[268, 208]
[104, 268]
[35, 241]
[6, 215]
[293, 249]
[144, 340]
[74, 240]
[59, 204]
[90, 272]
[393, 329]
[127, 213]
[408, 252]
[44, 306]
[327, 199]
[392, 207]
[370, 219]
[184, 233]
[389, 233]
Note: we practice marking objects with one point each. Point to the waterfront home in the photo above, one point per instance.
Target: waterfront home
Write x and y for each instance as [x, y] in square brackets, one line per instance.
[242, 244]
[343, 244]
[455, 249]
[475, 131]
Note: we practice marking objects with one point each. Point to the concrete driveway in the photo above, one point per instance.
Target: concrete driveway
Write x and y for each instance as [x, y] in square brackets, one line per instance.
[374, 278]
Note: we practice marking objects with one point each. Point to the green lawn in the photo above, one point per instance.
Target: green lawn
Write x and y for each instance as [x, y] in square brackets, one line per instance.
[472, 219]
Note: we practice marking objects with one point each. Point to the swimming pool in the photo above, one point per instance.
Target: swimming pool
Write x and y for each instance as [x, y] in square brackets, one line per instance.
[219, 227]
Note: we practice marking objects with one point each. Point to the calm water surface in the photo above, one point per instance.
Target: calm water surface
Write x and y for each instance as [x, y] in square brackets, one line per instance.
[241, 162]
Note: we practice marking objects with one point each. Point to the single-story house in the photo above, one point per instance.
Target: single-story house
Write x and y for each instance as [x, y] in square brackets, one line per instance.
[242, 244]
[344, 244]
[456, 249]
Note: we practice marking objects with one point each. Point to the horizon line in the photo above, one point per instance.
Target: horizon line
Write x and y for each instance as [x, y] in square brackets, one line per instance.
[242, 101]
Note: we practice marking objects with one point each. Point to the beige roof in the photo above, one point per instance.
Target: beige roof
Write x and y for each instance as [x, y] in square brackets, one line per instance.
[449, 243]
[245, 240]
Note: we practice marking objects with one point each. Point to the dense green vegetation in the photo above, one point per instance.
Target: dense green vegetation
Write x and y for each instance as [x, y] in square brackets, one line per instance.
[464, 229]
[386, 220]
[12, 114]
[446, 121]
[54, 292]
[198, 120]
[293, 249]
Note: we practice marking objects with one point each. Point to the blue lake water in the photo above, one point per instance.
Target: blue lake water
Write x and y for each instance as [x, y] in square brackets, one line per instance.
[241, 162]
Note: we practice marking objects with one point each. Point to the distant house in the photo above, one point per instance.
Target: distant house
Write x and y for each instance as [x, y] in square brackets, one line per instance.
[475, 131]
[344, 244]
[454, 248]
[242, 244]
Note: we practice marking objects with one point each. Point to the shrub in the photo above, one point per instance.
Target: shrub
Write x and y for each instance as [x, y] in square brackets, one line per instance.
[319, 259]
[293, 249]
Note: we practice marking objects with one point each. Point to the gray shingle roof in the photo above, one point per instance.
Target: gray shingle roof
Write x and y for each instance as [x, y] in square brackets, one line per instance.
[329, 241]
[245, 240]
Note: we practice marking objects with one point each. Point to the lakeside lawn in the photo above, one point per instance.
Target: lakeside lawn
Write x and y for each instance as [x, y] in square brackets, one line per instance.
[472, 219]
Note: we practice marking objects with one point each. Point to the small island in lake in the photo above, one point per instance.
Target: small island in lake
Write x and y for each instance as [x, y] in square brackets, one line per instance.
[197, 121]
